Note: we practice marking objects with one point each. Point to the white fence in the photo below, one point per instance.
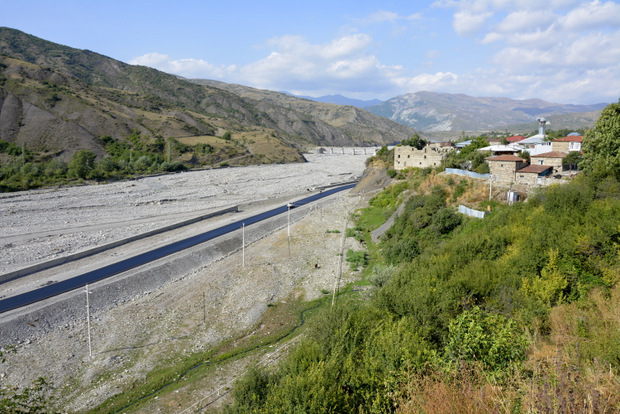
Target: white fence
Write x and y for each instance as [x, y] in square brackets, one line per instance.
[467, 173]
[471, 212]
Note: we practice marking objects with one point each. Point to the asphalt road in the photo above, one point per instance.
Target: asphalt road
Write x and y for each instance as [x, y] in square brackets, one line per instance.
[76, 282]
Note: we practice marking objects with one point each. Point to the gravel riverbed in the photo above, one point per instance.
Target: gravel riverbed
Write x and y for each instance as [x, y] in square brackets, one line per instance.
[197, 309]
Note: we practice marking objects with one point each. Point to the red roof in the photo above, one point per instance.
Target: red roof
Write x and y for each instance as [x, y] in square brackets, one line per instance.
[570, 138]
[506, 157]
[515, 138]
[535, 169]
[551, 154]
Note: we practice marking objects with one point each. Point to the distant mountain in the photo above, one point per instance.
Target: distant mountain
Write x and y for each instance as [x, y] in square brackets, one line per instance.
[59, 99]
[343, 100]
[431, 112]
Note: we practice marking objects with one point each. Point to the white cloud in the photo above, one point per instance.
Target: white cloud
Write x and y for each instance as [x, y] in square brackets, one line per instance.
[560, 51]
[383, 16]
[439, 81]
[526, 20]
[151, 59]
[467, 23]
[593, 15]
[189, 68]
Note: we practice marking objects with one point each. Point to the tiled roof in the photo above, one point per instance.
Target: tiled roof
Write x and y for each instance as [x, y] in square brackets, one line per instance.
[551, 154]
[570, 138]
[536, 169]
[506, 157]
[515, 138]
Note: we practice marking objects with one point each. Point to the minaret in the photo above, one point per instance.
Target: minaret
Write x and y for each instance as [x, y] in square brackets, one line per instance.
[542, 122]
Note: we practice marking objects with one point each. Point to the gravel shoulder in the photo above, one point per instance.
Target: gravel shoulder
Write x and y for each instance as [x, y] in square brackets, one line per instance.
[196, 310]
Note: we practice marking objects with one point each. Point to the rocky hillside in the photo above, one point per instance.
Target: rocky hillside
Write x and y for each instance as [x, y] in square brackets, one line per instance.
[361, 126]
[60, 99]
[438, 112]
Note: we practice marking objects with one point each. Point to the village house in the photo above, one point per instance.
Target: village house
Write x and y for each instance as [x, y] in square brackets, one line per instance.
[503, 168]
[514, 139]
[432, 155]
[552, 158]
[501, 149]
[536, 144]
[533, 175]
[567, 144]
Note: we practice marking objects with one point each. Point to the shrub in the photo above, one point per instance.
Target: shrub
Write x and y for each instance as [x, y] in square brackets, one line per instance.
[381, 274]
[492, 339]
[357, 258]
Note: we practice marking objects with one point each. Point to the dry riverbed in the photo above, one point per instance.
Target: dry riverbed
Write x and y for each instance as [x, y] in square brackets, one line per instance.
[197, 310]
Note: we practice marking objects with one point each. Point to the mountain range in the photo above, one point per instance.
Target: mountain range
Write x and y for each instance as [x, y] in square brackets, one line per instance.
[343, 100]
[431, 112]
[59, 99]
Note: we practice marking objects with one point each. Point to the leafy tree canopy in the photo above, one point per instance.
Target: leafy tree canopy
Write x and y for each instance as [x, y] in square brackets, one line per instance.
[601, 145]
[415, 141]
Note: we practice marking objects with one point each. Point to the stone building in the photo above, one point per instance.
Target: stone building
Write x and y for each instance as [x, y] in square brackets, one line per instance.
[533, 175]
[552, 158]
[432, 155]
[503, 168]
[567, 144]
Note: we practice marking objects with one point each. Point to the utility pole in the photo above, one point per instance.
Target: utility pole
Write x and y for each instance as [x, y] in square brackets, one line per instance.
[90, 348]
[490, 186]
[204, 310]
[288, 229]
[243, 243]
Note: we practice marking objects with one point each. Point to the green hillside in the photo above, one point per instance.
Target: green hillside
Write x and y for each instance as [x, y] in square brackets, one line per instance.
[516, 312]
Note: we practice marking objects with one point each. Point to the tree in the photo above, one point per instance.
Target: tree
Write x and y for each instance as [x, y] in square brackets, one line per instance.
[82, 164]
[415, 141]
[572, 159]
[601, 145]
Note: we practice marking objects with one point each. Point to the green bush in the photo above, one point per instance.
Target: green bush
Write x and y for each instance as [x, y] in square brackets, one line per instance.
[357, 259]
[492, 339]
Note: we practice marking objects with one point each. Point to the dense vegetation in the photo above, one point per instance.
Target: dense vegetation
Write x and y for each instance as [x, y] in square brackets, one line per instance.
[517, 312]
[135, 155]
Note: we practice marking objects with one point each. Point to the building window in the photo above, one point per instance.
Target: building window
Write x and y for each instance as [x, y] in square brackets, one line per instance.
[408, 156]
[540, 162]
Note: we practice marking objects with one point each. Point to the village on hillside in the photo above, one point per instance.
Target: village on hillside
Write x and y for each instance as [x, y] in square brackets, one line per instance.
[545, 161]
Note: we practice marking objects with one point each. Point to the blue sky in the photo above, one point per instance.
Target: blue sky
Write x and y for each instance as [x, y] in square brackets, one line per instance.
[563, 51]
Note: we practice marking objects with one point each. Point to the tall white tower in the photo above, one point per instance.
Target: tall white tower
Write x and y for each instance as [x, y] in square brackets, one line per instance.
[542, 124]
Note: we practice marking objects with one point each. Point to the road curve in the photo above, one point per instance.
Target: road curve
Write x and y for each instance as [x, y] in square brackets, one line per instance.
[58, 288]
